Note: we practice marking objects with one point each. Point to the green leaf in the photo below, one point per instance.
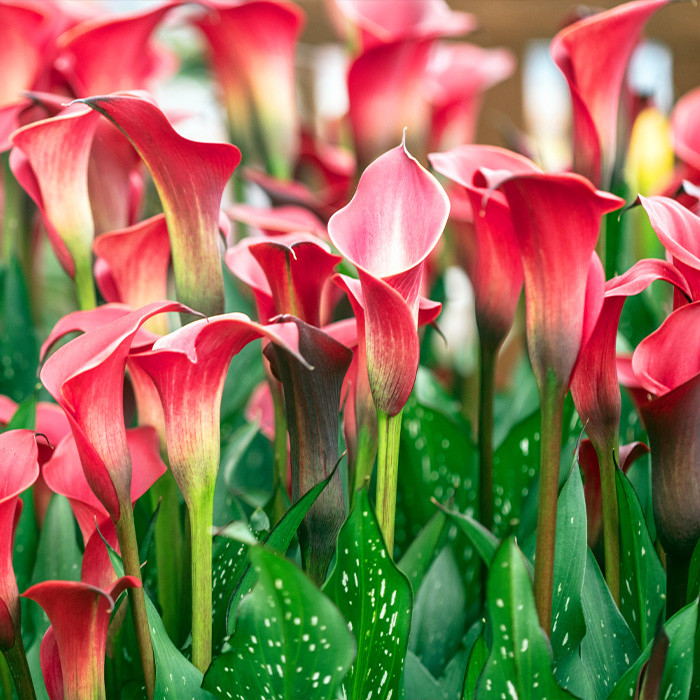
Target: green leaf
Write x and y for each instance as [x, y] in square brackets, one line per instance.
[439, 614]
[678, 668]
[279, 540]
[229, 562]
[19, 353]
[642, 577]
[477, 660]
[419, 684]
[176, 677]
[375, 599]
[421, 552]
[484, 541]
[291, 642]
[609, 647]
[25, 415]
[569, 628]
[519, 663]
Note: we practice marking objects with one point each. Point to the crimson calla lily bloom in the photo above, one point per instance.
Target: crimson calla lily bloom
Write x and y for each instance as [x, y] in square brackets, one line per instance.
[678, 230]
[189, 368]
[79, 615]
[132, 266]
[179, 165]
[252, 45]
[456, 78]
[685, 130]
[112, 53]
[20, 469]
[279, 270]
[593, 54]
[387, 231]
[50, 161]
[64, 475]
[671, 422]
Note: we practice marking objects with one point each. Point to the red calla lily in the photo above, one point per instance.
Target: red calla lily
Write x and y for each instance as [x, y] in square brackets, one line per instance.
[593, 54]
[685, 130]
[107, 54]
[276, 220]
[179, 165]
[456, 78]
[678, 230]
[288, 274]
[79, 615]
[252, 45]
[64, 474]
[20, 469]
[132, 266]
[671, 422]
[189, 367]
[387, 231]
[50, 161]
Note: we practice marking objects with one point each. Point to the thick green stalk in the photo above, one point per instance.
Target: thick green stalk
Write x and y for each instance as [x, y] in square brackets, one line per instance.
[169, 545]
[84, 283]
[201, 511]
[611, 519]
[126, 534]
[387, 474]
[552, 406]
[17, 661]
[487, 385]
[364, 459]
[677, 569]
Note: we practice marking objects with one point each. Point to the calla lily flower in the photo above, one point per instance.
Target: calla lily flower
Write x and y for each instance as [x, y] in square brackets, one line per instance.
[593, 54]
[685, 131]
[274, 221]
[79, 615]
[252, 45]
[64, 475]
[457, 76]
[112, 53]
[288, 274]
[678, 230]
[313, 406]
[189, 367]
[50, 161]
[671, 421]
[387, 231]
[20, 469]
[179, 165]
[132, 266]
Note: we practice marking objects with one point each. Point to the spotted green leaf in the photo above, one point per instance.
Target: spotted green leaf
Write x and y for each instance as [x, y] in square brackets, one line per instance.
[519, 664]
[291, 642]
[568, 626]
[484, 542]
[678, 668]
[609, 647]
[477, 660]
[642, 578]
[375, 598]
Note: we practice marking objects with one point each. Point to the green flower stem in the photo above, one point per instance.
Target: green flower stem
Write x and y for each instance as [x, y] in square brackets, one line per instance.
[387, 474]
[487, 384]
[677, 569]
[280, 450]
[17, 661]
[611, 519]
[201, 510]
[552, 406]
[169, 546]
[126, 534]
[84, 283]
[6, 683]
[364, 460]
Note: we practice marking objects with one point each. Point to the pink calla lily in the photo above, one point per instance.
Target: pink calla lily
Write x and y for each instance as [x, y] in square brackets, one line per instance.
[179, 165]
[252, 45]
[50, 160]
[387, 231]
[593, 54]
[685, 130]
